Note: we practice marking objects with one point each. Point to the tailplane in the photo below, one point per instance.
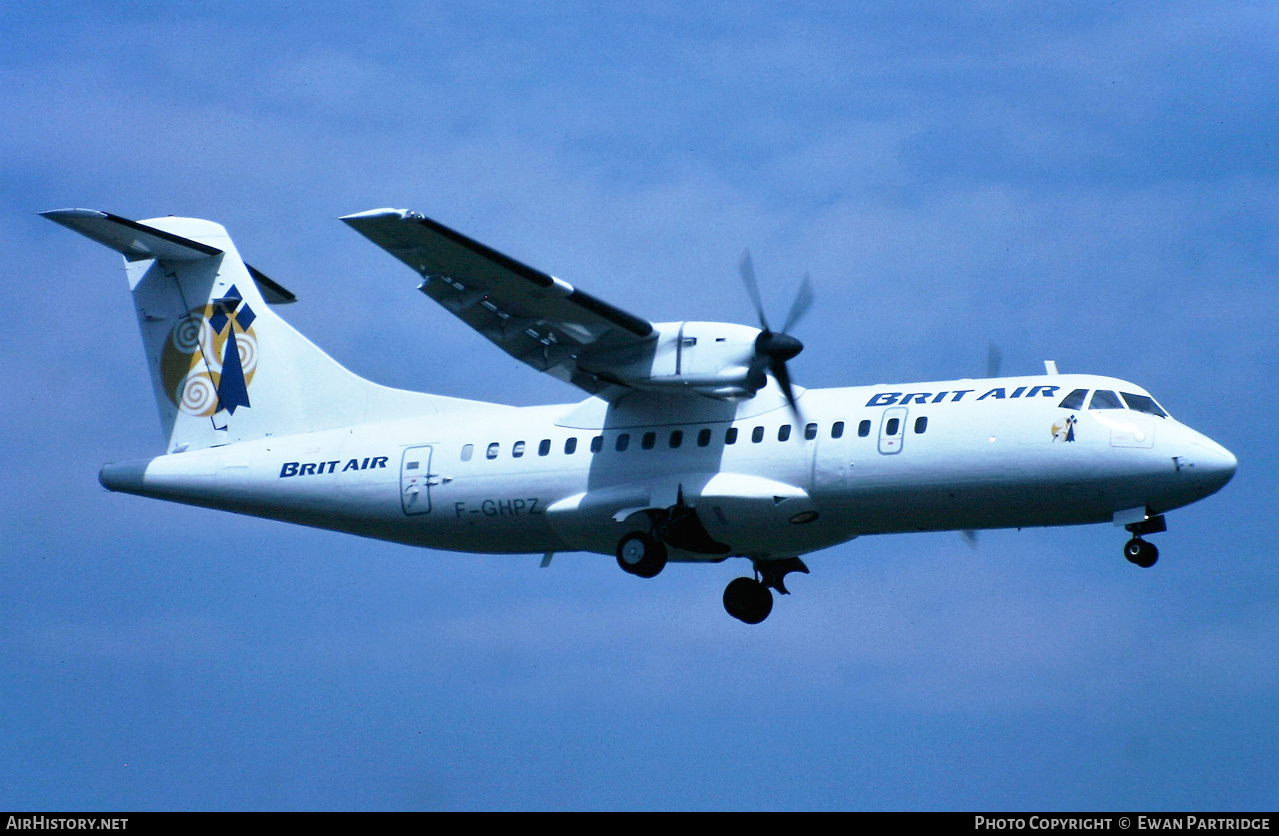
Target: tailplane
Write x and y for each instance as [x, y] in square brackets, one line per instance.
[225, 367]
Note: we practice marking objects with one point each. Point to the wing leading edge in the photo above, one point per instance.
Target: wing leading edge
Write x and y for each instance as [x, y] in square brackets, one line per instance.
[533, 316]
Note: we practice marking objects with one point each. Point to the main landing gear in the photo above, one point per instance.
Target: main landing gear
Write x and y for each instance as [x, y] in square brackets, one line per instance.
[1137, 550]
[749, 599]
[641, 554]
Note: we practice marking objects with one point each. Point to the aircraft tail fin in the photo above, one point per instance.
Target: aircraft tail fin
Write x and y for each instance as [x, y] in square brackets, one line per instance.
[224, 366]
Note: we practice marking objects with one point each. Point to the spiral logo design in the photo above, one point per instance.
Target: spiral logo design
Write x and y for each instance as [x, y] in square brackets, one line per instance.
[199, 394]
[190, 334]
[246, 345]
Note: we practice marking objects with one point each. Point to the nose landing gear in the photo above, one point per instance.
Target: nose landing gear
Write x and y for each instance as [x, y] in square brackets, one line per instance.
[1137, 550]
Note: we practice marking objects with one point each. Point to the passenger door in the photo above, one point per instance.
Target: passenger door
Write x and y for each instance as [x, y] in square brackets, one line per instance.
[416, 480]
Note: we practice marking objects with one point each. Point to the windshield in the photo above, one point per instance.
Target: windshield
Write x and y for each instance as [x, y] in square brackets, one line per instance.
[1144, 403]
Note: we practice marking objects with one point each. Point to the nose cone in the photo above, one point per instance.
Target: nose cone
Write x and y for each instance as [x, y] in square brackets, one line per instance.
[1214, 465]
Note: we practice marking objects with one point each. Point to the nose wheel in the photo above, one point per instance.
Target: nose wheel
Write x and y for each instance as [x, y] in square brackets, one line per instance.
[1141, 552]
[1137, 550]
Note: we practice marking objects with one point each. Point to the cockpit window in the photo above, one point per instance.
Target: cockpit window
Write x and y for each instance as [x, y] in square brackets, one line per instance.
[1105, 399]
[1144, 403]
[1075, 400]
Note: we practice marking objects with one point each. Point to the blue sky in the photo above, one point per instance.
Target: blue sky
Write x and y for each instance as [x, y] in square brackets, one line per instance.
[1091, 183]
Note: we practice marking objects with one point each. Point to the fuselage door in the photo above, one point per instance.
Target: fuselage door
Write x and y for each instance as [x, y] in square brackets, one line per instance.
[892, 430]
[416, 479]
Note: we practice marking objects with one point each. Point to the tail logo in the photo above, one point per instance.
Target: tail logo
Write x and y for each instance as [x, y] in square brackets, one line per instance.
[210, 357]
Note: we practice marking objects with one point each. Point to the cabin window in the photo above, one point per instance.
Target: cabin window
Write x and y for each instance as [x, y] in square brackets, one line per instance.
[491, 453]
[649, 439]
[597, 443]
[703, 437]
[757, 435]
[570, 446]
[730, 435]
[677, 438]
[783, 432]
[1075, 400]
[623, 441]
[517, 449]
[467, 451]
[921, 424]
[1104, 399]
[893, 425]
[1143, 403]
[810, 432]
[837, 429]
[863, 428]
[410, 465]
[544, 448]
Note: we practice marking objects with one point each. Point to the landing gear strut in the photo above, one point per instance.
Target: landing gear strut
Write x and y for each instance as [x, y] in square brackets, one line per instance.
[750, 599]
[1137, 550]
[641, 554]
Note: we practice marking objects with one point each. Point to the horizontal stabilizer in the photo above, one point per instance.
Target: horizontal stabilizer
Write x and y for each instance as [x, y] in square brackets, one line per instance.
[137, 241]
[133, 240]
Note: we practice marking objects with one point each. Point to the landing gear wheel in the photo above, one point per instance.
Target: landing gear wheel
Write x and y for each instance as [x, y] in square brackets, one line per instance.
[1141, 553]
[641, 554]
[748, 600]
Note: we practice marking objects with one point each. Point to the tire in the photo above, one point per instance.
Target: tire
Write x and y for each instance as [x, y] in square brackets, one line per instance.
[1141, 553]
[748, 600]
[641, 554]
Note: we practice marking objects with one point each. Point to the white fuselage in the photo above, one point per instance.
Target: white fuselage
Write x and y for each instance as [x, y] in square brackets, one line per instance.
[965, 454]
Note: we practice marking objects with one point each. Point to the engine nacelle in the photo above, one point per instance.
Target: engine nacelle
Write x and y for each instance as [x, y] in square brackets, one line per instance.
[711, 358]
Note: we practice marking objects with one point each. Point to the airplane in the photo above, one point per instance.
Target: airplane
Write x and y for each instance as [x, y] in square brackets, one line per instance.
[692, 444]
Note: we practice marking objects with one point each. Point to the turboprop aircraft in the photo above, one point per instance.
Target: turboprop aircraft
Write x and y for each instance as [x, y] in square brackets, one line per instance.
[693, 444]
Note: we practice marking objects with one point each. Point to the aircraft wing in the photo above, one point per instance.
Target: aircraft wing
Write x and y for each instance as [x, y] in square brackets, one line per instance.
[533, 316]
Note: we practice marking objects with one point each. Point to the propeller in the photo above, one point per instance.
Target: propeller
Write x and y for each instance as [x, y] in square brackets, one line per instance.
[774, 348]
[994, 359]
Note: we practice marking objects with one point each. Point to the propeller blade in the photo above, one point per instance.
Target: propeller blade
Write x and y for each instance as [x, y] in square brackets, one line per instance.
[994, 359]
[783, 380]
[803, 301]
[747, 268]
[970, 537]
[756, 377]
